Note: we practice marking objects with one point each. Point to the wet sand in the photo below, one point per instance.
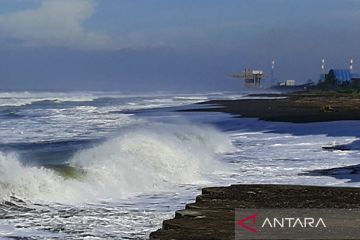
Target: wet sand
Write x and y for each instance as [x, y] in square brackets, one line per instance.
[297, 107]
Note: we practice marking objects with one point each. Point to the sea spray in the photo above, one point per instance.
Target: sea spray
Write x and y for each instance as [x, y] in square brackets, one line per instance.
[141, 159]
[29, 182]
[152, 157]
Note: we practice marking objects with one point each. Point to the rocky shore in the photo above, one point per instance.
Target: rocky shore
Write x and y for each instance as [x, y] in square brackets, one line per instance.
[296, 107]
[212, 215]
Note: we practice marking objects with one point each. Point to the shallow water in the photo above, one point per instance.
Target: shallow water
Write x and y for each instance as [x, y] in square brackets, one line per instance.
[95, 165]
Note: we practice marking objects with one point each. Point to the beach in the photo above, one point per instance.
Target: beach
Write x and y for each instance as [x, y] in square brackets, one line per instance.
[133, 120]
[114, 165]
[212, 215]
[300, 107]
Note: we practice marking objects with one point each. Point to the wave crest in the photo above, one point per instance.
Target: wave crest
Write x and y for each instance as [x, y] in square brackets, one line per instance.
[141, 159]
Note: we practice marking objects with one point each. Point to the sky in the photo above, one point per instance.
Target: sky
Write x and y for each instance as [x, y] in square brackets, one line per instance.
[155, 45]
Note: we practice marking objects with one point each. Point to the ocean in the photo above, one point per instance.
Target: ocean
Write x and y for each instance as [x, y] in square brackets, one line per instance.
[114, 165]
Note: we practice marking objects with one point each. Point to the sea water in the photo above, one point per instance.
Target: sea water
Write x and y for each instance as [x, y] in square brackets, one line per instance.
[112, 165]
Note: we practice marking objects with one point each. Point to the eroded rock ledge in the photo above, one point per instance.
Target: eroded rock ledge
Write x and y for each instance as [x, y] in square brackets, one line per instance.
[212, 215]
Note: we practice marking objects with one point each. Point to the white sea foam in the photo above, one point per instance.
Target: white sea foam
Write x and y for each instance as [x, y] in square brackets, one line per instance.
[24, 98]
[263, 157]
[163, 164]
[141, 159]
[28, 182]
[8, 99]
[153, 157]
[90, 115]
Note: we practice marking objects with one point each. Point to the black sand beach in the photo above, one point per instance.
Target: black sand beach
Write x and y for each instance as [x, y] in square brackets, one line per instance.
[297, 107]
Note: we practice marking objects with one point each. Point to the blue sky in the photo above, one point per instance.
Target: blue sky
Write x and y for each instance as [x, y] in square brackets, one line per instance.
[169, 44]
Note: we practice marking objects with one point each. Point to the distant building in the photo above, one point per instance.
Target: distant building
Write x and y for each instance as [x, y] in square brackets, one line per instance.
[288, 83]
[340, 77]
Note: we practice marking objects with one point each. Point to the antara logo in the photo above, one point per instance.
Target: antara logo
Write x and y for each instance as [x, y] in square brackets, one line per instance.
[294, 222]
[287, 222]
[250, 218]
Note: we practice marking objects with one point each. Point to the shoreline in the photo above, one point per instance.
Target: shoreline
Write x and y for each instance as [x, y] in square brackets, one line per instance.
[304, 107]
[212, 216]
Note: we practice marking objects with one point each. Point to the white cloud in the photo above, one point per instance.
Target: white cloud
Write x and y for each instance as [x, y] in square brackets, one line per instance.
[56, 23]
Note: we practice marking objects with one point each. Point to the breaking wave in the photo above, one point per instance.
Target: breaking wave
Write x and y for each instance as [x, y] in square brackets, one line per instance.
[140, 159]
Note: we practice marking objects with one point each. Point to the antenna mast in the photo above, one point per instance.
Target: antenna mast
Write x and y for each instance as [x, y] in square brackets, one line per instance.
[272, 72]
[323, 65]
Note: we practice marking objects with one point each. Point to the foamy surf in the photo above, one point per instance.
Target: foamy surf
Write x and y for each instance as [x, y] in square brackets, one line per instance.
[91, 169]
[141, 159]
[17, 99]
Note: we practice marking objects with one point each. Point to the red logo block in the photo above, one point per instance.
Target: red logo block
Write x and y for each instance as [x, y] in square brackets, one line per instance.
[251, 218]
